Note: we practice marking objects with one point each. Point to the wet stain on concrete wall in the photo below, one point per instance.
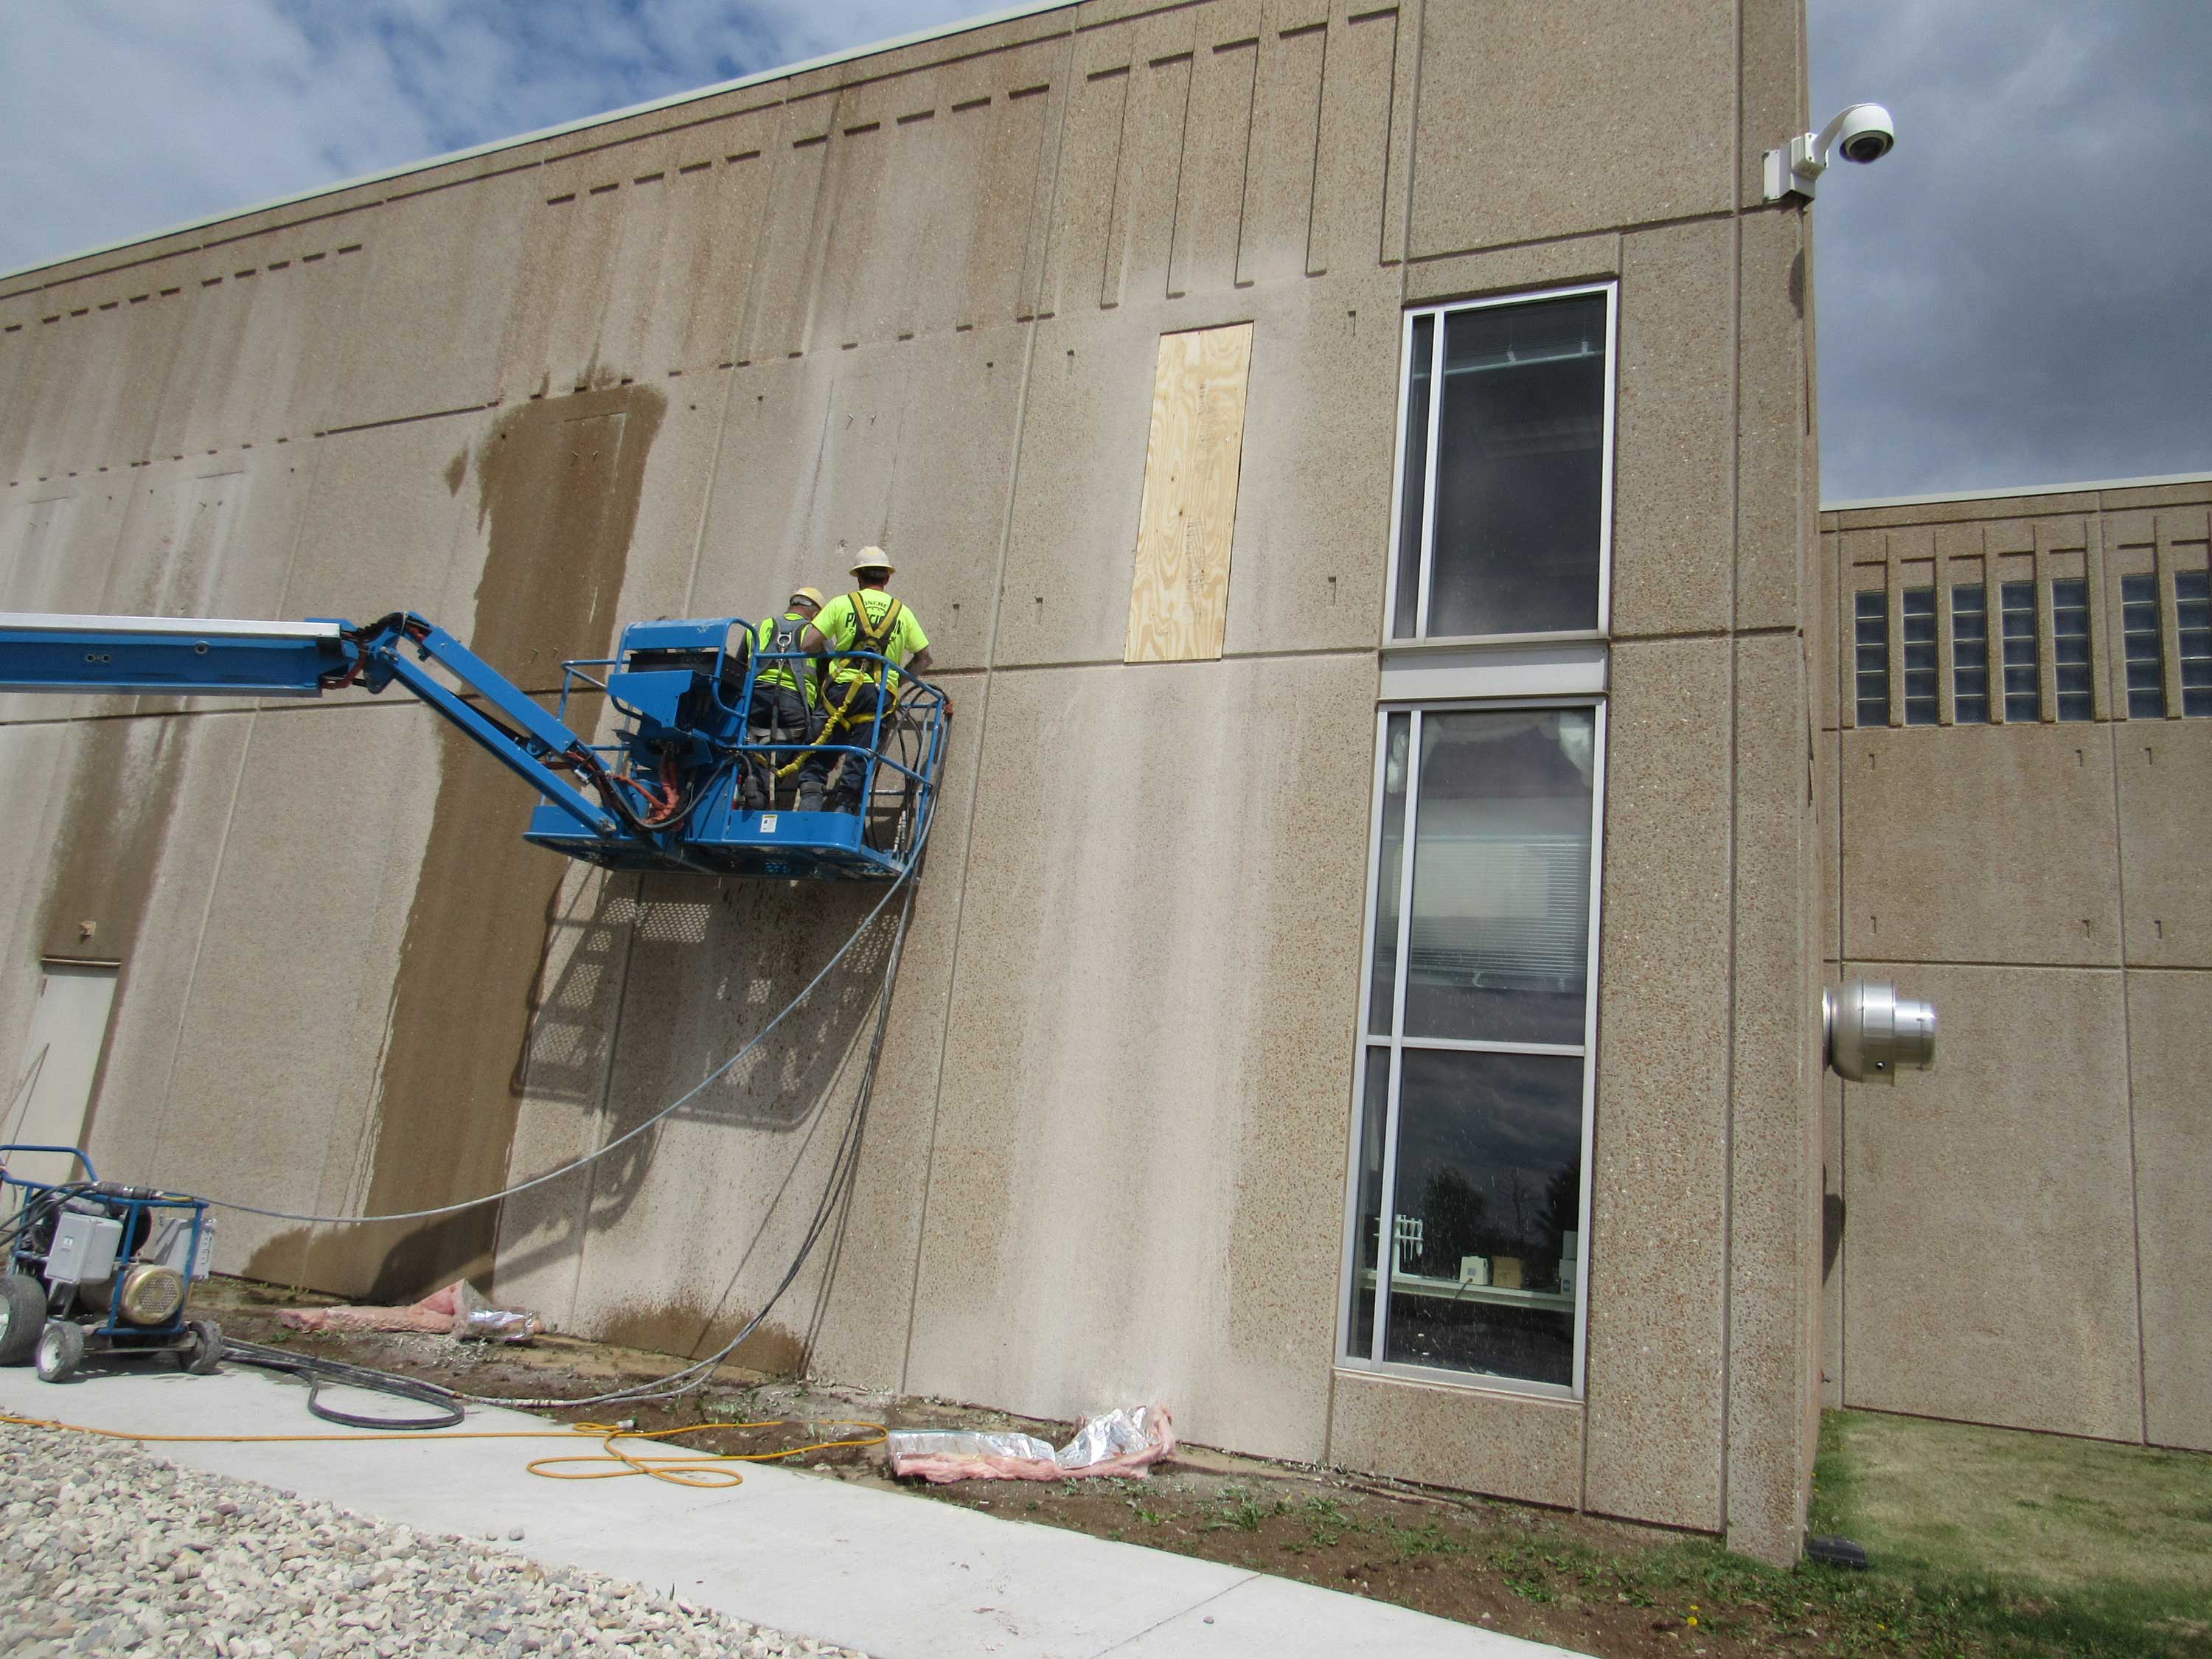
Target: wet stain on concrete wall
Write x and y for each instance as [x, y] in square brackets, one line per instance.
[676, 1327]
[558, 483]
[109, 846]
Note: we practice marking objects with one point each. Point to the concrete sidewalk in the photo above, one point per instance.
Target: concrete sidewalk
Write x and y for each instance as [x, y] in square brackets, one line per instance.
[899, 1577]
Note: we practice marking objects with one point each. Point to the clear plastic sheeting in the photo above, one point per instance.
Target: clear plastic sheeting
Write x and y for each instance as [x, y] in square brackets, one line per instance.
[460, 1309]
[1125, 1441]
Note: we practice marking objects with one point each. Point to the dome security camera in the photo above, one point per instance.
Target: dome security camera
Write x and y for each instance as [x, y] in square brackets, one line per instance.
[1862, 133]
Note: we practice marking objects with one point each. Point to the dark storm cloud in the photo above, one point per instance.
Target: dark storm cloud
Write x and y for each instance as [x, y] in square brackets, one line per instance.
[2018, 295]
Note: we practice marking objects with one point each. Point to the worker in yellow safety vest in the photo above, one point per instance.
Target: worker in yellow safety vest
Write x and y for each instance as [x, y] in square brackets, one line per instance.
[787, 697]
[858, 690]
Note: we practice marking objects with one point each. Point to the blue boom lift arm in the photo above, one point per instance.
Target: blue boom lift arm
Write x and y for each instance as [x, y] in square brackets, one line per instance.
[140, 655]
[665, 790]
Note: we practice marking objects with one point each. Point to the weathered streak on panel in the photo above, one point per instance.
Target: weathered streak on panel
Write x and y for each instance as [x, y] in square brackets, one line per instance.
[721, 220]
[1090, 164]
[797, 224]
[1217, 140]
[1279, 197]
[1179, 595]
[1142, 230]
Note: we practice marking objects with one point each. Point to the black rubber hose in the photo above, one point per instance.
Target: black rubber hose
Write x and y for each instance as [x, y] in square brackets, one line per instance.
[319, 1374]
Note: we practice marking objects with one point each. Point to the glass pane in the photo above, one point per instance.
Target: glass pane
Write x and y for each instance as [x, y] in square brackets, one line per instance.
[1413, 499]
[2023, 681]
[1499, 942]
[1360, 1328]
[1919, 656]
[1488, 1201]
[1872, 641]
[2069, 648]
[2192, 615]
[1969, 655]
[1520, 469]
[2141, 647]
[1383, 971]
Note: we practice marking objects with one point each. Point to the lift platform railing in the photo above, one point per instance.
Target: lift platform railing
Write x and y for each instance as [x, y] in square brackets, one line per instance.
[898, 746]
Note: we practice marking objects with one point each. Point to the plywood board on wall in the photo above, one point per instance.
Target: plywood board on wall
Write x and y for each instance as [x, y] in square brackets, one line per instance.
[1179, 597]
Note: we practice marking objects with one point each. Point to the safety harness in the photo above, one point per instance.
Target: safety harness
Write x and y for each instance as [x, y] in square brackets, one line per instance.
[872, 635]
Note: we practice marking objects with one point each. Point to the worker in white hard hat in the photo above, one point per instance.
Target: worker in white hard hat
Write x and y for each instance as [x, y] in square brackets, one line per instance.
[854, 630]
[786, 697]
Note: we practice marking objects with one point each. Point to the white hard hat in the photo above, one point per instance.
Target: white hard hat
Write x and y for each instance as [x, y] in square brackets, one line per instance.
[873, 558]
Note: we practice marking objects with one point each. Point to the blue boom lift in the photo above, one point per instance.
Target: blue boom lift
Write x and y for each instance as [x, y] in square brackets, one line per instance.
[664, 795]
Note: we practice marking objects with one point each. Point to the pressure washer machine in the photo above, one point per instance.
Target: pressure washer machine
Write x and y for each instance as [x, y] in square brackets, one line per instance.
[97, 1268]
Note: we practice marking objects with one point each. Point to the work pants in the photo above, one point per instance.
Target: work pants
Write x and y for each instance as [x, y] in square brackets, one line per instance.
[778, 714]
[859, 727]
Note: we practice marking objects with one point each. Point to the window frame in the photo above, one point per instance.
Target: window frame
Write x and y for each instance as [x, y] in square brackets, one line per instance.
[1610, 288]
[1393, 1044]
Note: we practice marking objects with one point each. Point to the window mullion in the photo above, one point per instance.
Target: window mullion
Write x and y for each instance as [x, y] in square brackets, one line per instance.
[1386, 1242]
[1429, 477]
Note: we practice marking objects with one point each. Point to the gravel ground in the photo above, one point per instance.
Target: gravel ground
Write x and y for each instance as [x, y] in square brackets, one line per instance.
[105, 1548]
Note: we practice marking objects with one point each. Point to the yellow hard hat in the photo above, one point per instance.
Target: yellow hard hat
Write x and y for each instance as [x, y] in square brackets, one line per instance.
[811, 595]
[873, 558]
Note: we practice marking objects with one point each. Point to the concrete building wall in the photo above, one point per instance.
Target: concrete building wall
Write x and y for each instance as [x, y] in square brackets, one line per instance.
[669, 364]
[2018, 1238]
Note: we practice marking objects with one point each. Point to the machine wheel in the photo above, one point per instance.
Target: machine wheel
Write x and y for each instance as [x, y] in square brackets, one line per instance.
[61, 1350]
[22, 1311]
[204, 1351]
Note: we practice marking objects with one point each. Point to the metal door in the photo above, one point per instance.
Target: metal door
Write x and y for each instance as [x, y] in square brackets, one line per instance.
[54, 1084]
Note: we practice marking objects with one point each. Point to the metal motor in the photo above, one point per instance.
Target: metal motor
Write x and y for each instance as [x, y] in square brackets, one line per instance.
[1872, 1033]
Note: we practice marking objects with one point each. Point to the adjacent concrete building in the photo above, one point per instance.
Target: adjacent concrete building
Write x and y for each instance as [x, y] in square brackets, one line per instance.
[1313, 434]
[2016, 739]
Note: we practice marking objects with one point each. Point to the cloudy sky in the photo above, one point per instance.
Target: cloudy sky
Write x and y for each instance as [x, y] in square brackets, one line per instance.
[2014, 297]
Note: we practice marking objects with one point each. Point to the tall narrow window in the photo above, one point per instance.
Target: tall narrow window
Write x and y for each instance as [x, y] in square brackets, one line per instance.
[1505, 464]
[1871, 643]
[1969, 655]
[2023, 678]
[1920, 667]
[2142, 646]
[1466, 1252]
[2192, 615]
[2069, 648]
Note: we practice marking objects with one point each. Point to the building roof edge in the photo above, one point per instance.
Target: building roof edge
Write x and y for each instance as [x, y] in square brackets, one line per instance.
[2021, 491]
[492, 146]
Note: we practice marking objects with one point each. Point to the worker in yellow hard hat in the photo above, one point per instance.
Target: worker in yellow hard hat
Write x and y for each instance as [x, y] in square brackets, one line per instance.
[854, 630]
[786, 708]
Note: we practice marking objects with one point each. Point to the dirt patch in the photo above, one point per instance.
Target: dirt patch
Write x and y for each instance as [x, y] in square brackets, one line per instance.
[1599, 1586]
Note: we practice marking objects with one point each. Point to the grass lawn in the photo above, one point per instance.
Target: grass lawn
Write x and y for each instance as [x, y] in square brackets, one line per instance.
[2012, 1543]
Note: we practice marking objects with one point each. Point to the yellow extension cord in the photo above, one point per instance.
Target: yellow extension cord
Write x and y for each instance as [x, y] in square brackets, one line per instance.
[706, 1469]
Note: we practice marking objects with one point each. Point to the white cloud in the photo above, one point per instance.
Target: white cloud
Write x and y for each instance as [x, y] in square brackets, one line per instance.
[127, 116]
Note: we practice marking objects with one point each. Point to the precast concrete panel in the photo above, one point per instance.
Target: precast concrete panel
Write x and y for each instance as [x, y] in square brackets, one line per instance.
[34, 759]
[1658, 1285]
[824, 457]
[1777, 462]
[1141, 1122]
[1985, 1283]
[429, 316]
[2169, 1015]
[1515, 1446]
[1537, 123]
[1774, 1141]
[1942, 830]
[159, 946]
[1675, 432]
[306, 917]
[2166, 802]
